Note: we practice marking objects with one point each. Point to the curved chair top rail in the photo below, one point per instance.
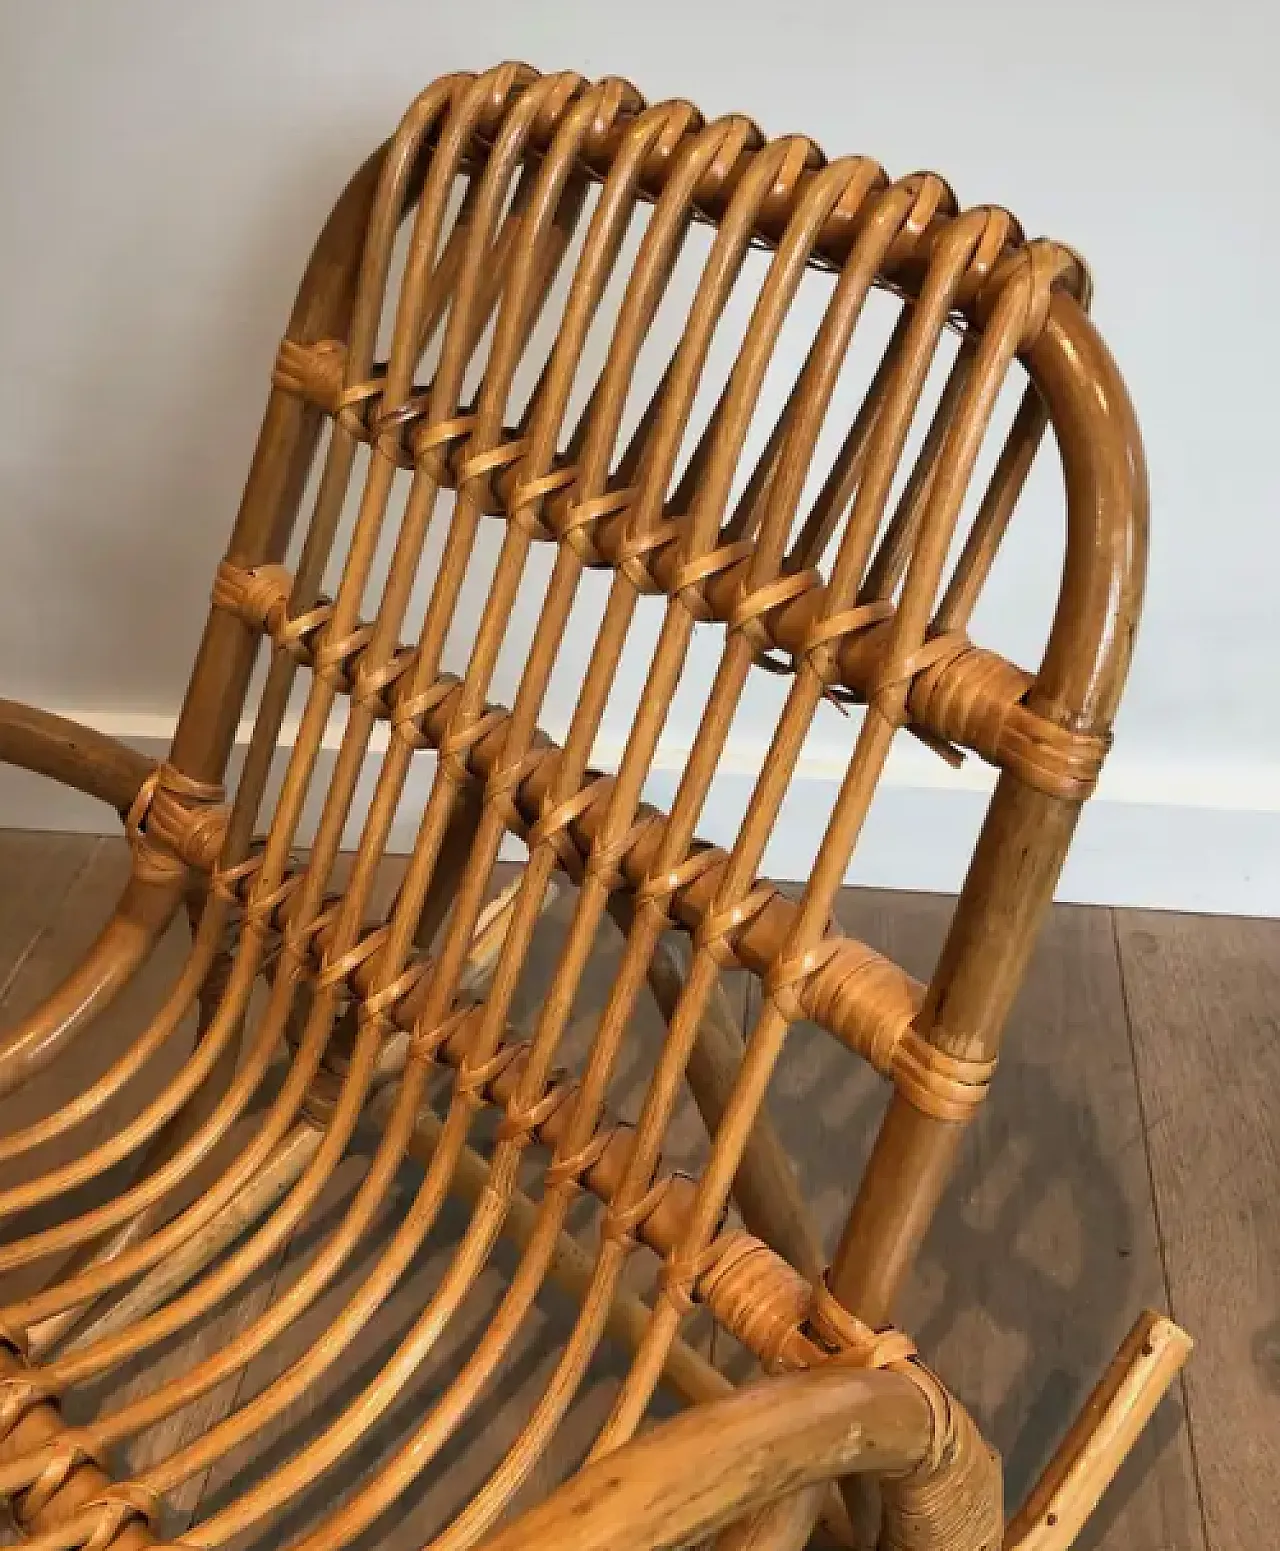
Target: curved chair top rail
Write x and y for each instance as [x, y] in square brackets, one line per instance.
[1081, 676]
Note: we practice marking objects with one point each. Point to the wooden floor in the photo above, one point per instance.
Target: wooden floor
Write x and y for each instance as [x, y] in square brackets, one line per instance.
[1129, 1157]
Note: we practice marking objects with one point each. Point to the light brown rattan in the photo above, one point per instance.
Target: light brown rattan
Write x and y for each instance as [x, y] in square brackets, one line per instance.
[530, 195]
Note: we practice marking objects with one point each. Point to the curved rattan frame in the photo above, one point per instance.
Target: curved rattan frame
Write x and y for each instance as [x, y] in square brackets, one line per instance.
[759, 1463]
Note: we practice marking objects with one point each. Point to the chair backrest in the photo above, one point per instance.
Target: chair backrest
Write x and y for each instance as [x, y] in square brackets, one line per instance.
[558, 227]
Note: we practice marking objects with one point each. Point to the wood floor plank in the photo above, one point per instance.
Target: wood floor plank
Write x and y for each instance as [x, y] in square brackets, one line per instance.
[1204, 1003]
[37, 870]
[1046, 1247]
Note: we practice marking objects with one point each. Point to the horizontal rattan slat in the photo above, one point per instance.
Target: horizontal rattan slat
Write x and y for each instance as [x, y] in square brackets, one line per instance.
[860, 997]
[970, 696]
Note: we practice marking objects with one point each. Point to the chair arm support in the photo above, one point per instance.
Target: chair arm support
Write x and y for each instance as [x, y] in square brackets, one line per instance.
[717, 1463]
[66, 751]
[93, 763]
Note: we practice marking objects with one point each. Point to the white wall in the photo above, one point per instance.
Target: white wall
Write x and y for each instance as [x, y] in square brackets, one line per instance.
[164, 168]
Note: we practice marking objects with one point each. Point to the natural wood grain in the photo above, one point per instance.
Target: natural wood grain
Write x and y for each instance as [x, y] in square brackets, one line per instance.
[171, 1358]
[60, 750]
[1204, 1002]
[825, 1104]
[632, 1502]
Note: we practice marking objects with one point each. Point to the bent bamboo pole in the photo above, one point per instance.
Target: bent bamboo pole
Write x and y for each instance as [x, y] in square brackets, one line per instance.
[77, 756]
[703, 1470]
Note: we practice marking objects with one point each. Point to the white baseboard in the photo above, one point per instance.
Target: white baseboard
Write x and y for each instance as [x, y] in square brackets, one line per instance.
[1184, 839]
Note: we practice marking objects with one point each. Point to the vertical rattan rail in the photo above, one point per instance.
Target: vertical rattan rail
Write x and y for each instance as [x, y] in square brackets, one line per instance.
[554, 226]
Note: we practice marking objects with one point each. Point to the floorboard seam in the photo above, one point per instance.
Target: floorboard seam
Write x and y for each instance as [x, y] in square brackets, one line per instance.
[1156, 1216]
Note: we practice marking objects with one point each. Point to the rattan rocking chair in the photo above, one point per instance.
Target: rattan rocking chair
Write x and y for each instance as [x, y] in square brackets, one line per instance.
[548, 219]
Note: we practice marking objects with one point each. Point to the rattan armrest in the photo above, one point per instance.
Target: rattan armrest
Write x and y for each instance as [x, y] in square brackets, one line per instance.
[77, 756]
[718, 1463]
[93, 763]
